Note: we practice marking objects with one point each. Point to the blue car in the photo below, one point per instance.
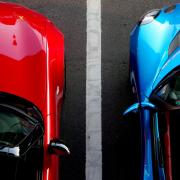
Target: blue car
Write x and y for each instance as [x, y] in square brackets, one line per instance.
[155, 80]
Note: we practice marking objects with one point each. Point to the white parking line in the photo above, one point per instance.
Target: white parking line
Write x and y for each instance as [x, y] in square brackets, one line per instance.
[93, 92]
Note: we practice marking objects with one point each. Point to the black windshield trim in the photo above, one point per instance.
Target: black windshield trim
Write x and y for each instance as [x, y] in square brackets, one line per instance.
[20, 112]
[169, 76]
[13, 100]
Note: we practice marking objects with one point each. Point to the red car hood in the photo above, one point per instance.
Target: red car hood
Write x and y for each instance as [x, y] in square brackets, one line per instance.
[23, 53]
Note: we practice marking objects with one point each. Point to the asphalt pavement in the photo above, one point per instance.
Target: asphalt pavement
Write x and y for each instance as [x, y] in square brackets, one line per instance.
[119, 137]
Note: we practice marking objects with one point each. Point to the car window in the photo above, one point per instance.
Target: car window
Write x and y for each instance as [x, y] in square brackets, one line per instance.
[170, 92]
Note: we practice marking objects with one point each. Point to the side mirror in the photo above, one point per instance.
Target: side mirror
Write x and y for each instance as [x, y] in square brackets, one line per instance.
[58, 147]
[136, 106]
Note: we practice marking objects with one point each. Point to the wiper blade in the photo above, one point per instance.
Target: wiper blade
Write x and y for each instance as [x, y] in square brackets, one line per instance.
[14, 151]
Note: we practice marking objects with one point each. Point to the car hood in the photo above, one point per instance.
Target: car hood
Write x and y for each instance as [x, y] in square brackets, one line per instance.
[22, 53]
[150, 46]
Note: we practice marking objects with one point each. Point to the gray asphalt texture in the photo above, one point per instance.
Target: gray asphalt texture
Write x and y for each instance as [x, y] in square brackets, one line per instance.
[120, 137]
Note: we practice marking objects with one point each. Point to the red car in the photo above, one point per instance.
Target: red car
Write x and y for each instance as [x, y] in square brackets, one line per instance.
[31, 93]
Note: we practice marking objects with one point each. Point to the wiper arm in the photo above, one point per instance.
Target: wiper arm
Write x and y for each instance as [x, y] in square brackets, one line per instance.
[6, 150]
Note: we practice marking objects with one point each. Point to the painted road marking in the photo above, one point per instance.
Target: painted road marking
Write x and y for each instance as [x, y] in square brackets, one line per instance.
[93, 92]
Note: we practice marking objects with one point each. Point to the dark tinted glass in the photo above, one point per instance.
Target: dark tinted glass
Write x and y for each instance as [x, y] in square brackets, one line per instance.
[19, 131]
[170, 92]
[13, 127]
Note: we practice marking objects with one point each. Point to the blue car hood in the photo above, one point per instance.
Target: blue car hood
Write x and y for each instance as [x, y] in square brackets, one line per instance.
[149, 49]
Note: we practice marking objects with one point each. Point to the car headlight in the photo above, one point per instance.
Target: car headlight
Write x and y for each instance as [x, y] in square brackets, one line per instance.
[149, 17]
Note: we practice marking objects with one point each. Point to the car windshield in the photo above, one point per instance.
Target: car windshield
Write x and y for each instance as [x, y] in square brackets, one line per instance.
[14, 127]
[170, 92]
[22, 132]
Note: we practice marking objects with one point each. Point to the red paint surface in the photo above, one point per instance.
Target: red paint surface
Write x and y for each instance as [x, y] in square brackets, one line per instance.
[32, 67]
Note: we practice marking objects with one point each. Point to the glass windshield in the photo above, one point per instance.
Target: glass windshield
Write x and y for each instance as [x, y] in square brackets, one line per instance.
[170, 92]
[18, 131]
[13, 127]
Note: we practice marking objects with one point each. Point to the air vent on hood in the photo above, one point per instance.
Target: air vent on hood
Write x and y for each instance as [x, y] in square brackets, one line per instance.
[170, 9]
[174, 44]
